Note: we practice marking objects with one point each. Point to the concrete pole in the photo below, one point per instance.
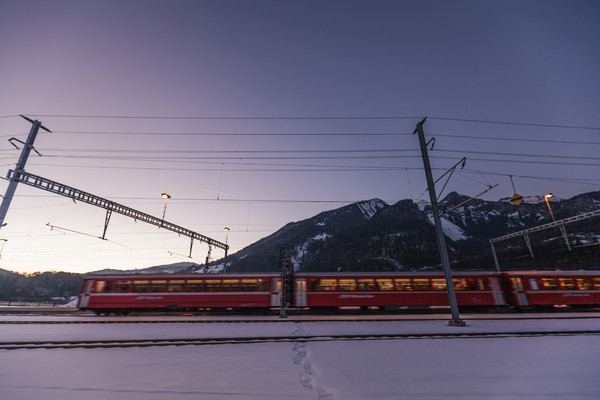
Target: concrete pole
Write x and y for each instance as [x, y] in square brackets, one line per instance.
[455, 321]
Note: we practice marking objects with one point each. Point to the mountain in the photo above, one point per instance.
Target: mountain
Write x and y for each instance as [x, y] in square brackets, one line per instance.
[372, 235]
[158, 269]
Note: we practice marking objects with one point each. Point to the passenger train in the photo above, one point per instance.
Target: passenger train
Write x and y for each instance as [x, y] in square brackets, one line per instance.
[122, 294]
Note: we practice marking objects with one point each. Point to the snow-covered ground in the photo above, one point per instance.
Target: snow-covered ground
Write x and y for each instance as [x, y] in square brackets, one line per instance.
[539, 367]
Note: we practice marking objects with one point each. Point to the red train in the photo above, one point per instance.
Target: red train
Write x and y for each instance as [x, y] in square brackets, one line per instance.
[122, 294]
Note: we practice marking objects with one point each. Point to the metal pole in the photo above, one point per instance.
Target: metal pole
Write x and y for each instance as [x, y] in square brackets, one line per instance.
[456, 321]
[284, 277]
[20, 167]
[226, 246]
[495, 256]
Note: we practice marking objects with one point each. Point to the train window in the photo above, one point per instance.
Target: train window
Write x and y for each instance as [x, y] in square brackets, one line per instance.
[460, 284]
[101, 286]
[584, 284]
[249, 285]
[176, 286]
[158, 286]
[328, 285]
[385, 284]
[404, 285]
[194, 285]
[212, 285]
[314, 285]
[231, 285]
[438, 284]
[567, 283]
[517, 283]
[475, 284]
[122, 286]
[262, 285]
[140, 286]
[549, 283]
[365, 285]
[347, 285]
[422, 284]
[596, 284]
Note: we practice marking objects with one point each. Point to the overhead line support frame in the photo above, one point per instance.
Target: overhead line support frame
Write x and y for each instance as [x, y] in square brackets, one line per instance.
[110, 206]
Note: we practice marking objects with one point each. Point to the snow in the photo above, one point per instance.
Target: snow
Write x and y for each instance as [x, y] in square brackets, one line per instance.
[302, 249]
[537, 367]
[369, 208]
[451, 230]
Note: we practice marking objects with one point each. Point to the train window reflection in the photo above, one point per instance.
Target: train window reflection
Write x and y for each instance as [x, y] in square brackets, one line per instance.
[328, 285]
[347, 285]
[262, 285]
[194, 285]
[140, 286]
[365, 285]
[567, 283]
[122, 286]
[404, 285]
[230, 285]
[176, 286]
[158, 286]
[438, 284]
[212, 285]
[549, 283]
[596, 284]
[385, 284]
[584, 284]
[422, 284]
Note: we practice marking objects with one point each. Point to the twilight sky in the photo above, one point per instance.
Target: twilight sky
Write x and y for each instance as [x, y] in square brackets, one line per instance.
[253, 114]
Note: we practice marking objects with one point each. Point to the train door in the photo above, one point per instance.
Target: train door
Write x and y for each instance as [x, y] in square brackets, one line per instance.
[276, 292]
[300, 293]
[497, 292]
[84, 297]
[519, 291]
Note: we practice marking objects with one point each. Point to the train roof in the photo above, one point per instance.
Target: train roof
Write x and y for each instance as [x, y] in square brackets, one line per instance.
[180, 275]
[556, 273]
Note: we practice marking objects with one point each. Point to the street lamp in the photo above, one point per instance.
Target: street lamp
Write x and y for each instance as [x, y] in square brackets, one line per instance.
[561, 226]
[546, 197]
[226, 247]
[167, 197]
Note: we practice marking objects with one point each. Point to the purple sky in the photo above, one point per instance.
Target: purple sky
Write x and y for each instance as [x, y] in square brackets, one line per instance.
[284, 65]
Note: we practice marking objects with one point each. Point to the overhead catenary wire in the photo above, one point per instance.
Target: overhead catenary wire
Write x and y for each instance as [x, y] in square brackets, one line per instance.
[322, 117]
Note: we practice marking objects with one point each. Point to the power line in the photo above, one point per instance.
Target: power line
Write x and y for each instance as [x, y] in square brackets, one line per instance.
[516, 123]
[151, 117]
[384, 117]
[517, 139]
[321, 151]
[234, 133]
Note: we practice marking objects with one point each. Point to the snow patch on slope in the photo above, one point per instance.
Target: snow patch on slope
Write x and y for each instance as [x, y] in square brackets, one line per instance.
[302, 249]
[452, 231]
[369, 208]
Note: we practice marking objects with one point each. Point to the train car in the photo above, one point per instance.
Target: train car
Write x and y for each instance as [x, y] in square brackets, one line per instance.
[393, 290]
[541, 289]
[121, 294]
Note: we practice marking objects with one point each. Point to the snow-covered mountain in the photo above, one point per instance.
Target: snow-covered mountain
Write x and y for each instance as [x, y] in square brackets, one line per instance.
[373, 235]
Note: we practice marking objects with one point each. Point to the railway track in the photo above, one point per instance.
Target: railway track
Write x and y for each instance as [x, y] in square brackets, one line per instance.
[117, 343]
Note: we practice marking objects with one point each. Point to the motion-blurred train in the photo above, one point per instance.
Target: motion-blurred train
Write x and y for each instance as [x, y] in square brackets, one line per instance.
[311, 292]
